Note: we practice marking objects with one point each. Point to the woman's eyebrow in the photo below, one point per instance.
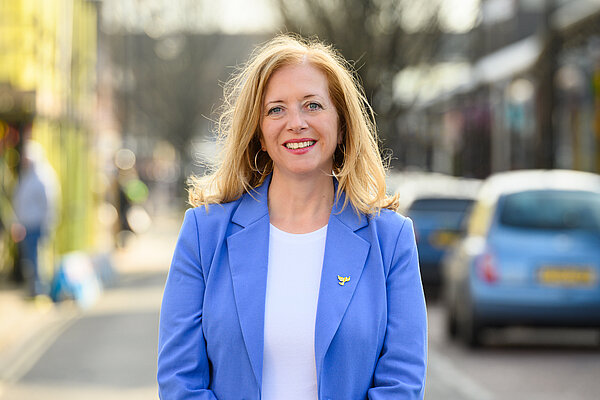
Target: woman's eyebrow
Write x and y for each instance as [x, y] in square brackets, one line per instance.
[282, 101]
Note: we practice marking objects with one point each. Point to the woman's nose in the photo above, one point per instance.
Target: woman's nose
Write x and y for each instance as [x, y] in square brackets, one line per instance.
[297, 121]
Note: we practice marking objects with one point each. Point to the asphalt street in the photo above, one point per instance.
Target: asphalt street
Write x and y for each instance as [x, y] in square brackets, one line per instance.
[106, 353]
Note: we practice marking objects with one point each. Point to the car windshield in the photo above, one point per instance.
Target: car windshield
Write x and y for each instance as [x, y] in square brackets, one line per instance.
[552, 209]
[441, 204]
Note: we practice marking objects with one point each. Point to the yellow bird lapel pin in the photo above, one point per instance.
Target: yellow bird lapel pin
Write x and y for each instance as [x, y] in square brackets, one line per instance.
[343, 279]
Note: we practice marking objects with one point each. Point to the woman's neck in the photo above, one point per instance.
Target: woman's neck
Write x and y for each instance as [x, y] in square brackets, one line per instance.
[300, 205]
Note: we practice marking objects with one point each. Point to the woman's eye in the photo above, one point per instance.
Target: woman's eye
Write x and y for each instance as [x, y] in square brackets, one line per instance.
[274, 110]
[314, 106]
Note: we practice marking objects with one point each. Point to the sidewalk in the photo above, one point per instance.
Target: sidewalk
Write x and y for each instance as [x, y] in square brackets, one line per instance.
[22, 320]
[19, 317]
[151, 251]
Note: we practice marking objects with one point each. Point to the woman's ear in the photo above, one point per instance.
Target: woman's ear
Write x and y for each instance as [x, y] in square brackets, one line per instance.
[262, 143]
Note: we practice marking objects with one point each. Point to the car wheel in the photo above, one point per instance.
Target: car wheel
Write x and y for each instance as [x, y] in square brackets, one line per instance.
[468, 326]
[469, 331]
[451, 324]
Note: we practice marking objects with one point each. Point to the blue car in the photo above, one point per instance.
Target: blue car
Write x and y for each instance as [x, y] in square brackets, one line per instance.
[438, 205]
[531, 255]
[438, 223]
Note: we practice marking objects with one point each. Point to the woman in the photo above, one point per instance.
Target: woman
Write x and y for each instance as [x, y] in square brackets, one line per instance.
[294, 278]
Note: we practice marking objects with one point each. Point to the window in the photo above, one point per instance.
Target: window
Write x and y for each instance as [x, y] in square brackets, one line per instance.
[552, 209]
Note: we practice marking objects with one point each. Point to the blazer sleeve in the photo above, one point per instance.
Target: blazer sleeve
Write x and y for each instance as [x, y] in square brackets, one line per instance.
[183, 366]
[402, 364]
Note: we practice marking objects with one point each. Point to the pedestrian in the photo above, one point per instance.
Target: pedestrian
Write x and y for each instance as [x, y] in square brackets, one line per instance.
[293, 278]
[35, 203]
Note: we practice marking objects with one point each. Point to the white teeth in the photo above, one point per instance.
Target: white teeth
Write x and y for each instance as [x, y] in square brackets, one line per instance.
[300, 145]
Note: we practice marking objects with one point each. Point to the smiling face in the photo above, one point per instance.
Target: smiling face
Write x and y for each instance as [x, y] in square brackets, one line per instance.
[299, 123]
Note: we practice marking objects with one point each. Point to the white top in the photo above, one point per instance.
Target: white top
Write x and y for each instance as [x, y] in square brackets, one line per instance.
[293, 279]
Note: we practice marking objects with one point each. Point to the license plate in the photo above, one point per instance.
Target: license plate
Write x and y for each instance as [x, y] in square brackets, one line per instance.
[567, 276]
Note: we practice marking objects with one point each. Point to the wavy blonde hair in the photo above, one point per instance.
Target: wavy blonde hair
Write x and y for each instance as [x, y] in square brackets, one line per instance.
[242, 166]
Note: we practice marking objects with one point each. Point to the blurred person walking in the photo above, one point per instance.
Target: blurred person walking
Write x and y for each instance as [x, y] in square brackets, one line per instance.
[35, 203]
[294, 278]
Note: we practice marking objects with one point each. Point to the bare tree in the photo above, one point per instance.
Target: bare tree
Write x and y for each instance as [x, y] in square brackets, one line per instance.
[167, 88]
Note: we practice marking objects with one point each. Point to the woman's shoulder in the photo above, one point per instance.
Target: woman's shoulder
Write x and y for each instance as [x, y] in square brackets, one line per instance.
[208, 222]
[214, 211]
[391, 221]
[395, 234]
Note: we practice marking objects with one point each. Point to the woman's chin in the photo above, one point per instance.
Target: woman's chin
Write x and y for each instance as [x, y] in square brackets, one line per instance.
[304, 172]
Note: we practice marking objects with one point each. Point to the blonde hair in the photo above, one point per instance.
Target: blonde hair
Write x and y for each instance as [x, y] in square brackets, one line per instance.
[358, 165]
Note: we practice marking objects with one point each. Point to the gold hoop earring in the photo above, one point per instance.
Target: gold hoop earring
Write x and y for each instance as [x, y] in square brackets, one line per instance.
[256, 164]
[342, 149]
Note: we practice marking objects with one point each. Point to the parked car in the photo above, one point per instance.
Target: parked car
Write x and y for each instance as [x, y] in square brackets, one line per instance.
[437, 204]
[531, 255]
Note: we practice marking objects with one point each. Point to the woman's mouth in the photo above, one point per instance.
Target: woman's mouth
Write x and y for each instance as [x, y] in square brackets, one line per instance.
[299, 145]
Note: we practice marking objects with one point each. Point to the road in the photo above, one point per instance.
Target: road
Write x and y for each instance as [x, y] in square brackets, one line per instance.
[109, 351]
[516, 363]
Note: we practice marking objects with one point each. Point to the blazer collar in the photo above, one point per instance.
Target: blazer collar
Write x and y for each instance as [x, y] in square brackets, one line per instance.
[347, 216]
[254, 206]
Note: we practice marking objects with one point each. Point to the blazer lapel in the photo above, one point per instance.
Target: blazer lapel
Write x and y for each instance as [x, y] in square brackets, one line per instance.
[345, 255]
[248, 251]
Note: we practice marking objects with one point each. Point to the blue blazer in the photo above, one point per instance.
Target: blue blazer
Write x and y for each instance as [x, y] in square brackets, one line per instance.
[370, 333]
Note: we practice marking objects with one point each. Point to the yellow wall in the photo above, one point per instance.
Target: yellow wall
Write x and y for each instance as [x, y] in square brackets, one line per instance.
[49, 46]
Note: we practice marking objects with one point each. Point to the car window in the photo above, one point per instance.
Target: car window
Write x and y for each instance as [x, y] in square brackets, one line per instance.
[552, 209]
[440, 213]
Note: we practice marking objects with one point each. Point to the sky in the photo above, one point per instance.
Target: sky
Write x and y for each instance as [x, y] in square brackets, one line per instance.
[158, 17]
